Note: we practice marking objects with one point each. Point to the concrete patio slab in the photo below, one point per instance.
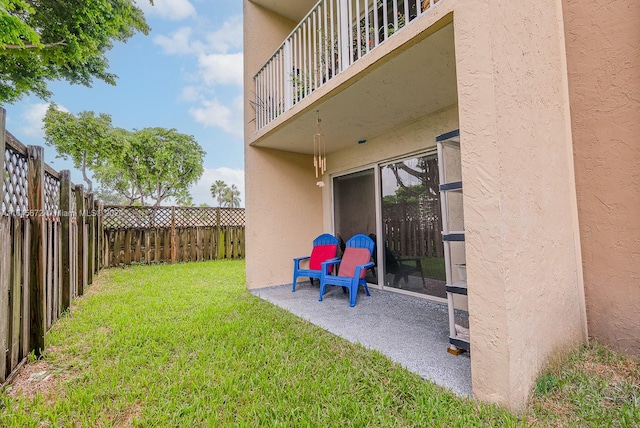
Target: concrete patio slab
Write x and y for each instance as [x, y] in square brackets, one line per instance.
[410, 331]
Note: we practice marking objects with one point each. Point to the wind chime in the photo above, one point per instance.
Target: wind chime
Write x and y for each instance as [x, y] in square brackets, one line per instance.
[319, 152]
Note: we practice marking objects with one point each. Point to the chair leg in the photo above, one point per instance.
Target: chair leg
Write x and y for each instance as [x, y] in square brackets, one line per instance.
[323, 287]
[293, 286]
[366, 288]
[353, 294]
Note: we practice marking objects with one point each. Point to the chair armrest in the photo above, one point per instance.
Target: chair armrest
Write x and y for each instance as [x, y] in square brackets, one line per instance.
[360, 268]
[366, 265]
[297, 260]
[325, 265]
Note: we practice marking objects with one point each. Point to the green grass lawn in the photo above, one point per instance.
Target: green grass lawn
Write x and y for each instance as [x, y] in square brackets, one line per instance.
[186, 345]
[434, 268]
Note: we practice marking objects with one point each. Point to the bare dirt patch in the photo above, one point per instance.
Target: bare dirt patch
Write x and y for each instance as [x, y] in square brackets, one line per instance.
[33, 378]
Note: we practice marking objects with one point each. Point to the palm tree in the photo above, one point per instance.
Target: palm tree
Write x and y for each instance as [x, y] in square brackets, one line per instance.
[231, 197]
[218, 190]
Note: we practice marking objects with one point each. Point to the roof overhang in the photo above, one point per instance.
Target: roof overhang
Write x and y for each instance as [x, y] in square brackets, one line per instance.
[295, 10]
[406, 85]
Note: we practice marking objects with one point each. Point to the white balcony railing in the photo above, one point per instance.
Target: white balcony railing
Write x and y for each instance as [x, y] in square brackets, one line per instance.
[331, 37]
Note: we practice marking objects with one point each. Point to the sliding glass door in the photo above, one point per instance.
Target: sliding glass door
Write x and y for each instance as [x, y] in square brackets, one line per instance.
[354, 202]
[411, 225]
[404, 220]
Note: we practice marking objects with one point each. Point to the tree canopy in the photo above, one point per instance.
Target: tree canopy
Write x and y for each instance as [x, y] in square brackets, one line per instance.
[158, 163]
[61, 40]
[228, 196]
[87, 139]
[217, 190]
[231, 197]
[145, 166]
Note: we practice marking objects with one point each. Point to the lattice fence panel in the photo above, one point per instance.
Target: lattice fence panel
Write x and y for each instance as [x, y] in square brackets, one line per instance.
[195, 216]
[14, 183]
[136, 217]
[232, 217]
[115, 217]
[51, 197]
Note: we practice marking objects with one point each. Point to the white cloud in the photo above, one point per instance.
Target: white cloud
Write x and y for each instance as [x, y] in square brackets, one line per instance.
[178, 43]
[174, 10]
[201, 191]
[31, 119]
[219, 115]
[227, 37]
[221, 68]
[191, 94]
[219, 63]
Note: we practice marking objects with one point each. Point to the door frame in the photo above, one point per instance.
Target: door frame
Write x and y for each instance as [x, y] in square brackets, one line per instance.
[377, 167]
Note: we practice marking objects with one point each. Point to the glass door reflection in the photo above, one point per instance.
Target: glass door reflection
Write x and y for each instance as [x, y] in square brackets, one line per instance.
[355, 208]
[411, 223]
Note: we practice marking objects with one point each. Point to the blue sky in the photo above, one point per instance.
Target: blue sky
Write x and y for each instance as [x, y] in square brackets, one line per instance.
[186, 74]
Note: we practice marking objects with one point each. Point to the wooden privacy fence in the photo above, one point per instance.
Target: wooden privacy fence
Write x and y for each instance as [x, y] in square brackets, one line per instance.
[54, 237]
[171, 234]
[413, 229]
[48, 248]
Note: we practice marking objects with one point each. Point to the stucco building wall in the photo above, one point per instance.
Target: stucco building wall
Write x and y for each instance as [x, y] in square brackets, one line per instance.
[523, 253]
[284, 212]
[526, 296]
[603, 56]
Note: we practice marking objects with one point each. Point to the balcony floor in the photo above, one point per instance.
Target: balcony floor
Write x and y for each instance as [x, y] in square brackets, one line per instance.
[410, 331]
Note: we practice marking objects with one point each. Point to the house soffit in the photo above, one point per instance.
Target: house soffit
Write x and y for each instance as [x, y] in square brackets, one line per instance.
[295, 10]
[399, 90]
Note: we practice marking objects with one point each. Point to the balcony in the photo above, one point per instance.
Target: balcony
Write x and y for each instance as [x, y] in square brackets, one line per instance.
[333, 36]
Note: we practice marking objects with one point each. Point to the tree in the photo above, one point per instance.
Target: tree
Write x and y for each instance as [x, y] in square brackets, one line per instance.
[217, 191]
[184, 199]
[86, 139]
[109, 197]
[151, 164]
[61, 40]
[156, 164]
[231, 197]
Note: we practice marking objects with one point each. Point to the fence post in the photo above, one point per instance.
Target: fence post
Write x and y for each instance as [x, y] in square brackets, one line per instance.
[81, 219]
[100, 234]
[91, 221]
[65, 231]
[5, 234]
[37, 292]
[96, 236]
[3, 136]
[173, 234]
[220, 237]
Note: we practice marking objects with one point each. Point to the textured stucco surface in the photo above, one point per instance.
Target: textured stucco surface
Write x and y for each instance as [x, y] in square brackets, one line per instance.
[523, 258]
[284, 211]
[603, 58]
[526, 297]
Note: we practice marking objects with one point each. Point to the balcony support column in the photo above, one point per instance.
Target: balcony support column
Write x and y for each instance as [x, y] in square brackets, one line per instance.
[344, 29]
[288, 67]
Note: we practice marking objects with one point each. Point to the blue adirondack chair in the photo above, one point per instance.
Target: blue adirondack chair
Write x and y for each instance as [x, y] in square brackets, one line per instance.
[325, 247]
[352, 270]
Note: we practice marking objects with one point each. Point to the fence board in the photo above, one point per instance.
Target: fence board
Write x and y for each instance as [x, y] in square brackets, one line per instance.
[5, 278]
[26, 286]
[16, 291]
[147, 246]
[80, 223]
[48, 272]
[194, 243]
[91, 247]
[156, 246]
[37, 256]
